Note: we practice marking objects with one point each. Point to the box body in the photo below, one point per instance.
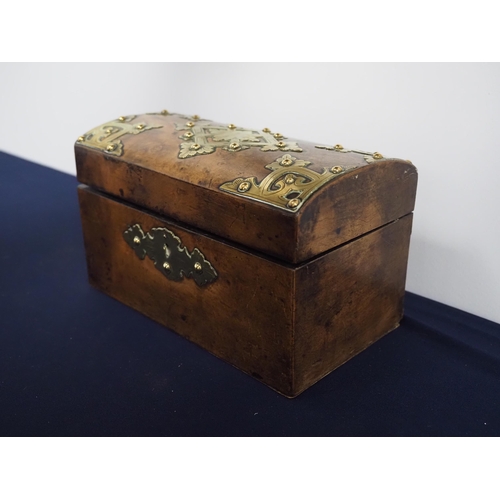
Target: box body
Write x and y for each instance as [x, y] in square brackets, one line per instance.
[288, 326]
[285, 295]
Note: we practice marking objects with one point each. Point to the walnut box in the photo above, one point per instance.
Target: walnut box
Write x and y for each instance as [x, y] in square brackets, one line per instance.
[284, 258]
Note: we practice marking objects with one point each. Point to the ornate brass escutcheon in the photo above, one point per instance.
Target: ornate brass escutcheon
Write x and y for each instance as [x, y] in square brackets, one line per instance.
[170, 257]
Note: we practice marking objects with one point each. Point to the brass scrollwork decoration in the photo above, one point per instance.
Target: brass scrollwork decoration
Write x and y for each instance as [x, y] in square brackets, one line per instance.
[107, 137]
[368, 157]
[288, 186]
[205, 138]
[170, 257]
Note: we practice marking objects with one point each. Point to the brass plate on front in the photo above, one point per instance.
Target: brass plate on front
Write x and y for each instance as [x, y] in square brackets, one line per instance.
[106, 137]
[205, 138]
[170, 257]
[288, 186]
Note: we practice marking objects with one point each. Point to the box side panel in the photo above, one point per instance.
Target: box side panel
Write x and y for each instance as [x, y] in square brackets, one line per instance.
[347, 299]
[361, 201]
[243, 317]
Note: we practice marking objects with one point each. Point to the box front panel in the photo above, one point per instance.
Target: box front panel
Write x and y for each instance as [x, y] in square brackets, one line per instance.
[242, 314]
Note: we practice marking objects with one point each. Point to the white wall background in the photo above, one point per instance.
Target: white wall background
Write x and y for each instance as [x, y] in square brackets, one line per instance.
[443, 117]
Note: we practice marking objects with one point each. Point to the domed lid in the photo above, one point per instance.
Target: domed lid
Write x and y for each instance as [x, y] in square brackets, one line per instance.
[287, 198]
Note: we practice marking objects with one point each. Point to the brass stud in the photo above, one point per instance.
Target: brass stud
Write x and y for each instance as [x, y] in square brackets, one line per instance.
[377, 156]
[195, 117]
[294, 203]
[281, 144]
[266, 130]
[231, 126]
[234, 145]
[195, 146]
[337, 170]
[164, 112]
[197, 267]
[110, 147]
[338, 147]
[290, 179]
[189, 124]
[166, 266]
[80, 139]
[121, 119]
[140, 126]
[137, 240]
[277, 135]
[244, 186]
[286, 161]
[189, 134]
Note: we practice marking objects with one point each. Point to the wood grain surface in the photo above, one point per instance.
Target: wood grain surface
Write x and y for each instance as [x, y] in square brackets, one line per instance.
[243, 317]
